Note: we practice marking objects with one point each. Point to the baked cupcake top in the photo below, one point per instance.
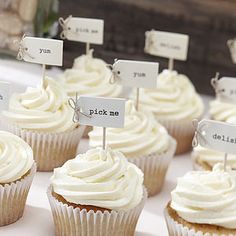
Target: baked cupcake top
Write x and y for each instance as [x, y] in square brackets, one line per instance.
[43, 109]
[102, 178]
[222, 111]
[16, 157]
[89, 76]
[212, 157]
[207, 197]
[141, 135]
[174, 98]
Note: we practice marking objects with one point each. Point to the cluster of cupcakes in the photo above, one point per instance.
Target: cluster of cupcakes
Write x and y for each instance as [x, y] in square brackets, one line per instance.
[104, 190]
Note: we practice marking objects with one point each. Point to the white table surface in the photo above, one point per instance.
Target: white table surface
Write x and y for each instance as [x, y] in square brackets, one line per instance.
[37, 219]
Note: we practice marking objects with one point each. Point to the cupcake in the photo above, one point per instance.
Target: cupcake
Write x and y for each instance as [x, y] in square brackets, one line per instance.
[89, 76]
[175, 104]
[205, 159]
[17, 169]
[43, 118]
[223, 111]
[98, 191]
[144, 142]
[203, 204]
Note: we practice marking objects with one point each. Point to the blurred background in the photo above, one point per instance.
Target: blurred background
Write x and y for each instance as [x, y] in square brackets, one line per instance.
[209, 23]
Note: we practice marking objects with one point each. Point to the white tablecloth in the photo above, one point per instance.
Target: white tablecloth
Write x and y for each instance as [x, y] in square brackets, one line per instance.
[37, 219]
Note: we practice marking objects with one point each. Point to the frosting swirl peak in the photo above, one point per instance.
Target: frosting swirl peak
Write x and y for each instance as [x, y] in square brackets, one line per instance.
[207, 197]
[102, 178]
[41, 109]
[16, 157]
[174, 98]
[89, 76]
[141, 135]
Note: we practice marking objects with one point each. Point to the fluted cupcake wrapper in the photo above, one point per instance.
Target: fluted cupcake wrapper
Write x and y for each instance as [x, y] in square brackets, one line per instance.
[154, 167]
[71, 221]
[182, 131]
[51, 150]
[13, 198]
[177, 229]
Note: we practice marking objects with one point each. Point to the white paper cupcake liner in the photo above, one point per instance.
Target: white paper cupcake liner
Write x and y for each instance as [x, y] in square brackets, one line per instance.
[71, 221]
[182, 132]
[51, 150]
[177, 229]
[13, 198]
[154, 167]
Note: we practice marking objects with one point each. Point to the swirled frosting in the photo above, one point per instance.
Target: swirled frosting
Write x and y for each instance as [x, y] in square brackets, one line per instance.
[207, 197]
[174, 98]
[102, 178]
[89, 76]
[212, 157]
[223, 111]
[16, 157]
[43, 109]
[141, 135]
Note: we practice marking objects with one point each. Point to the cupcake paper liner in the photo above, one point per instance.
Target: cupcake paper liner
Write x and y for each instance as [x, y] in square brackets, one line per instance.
[51, 150]
[182, 132]
[177, 229]
[154, 167]
[13, 198]
[86, 131]
[71, 221]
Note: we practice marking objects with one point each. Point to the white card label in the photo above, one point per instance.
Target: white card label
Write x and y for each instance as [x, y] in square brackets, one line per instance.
[225, 89]
[139, 74]
[84, 30]
[105, 112]
[41, 50]
[166, 44]
[232, 48]
[217, 135]
[4, 95]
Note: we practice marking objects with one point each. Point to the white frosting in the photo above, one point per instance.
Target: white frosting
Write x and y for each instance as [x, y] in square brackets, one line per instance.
[89, 76]
[207, 197]
[212, 157]
[41, 109]
[16, 157]
[102, 178]
[174, 98]
[141, 135]
[223, 111]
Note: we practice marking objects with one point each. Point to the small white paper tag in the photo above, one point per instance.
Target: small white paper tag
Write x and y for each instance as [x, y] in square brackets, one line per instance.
[139, 74]
[84, 30]
[41, 50]
[216, 135]
[105, 112]
[166, 44]
[4, 95]
[232, 48]
[225, 89]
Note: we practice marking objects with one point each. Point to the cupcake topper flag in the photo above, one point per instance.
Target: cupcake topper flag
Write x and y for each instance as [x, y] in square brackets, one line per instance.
[85, 30]
[173, 46]
[225, 88]
[42, 51]
[137, 74]
[99, 111]
[216, 135]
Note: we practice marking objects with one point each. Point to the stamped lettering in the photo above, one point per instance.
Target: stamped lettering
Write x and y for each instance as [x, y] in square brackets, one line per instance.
[84, 30]
[216, 135]
[167, 44]
[99, 111]
[41, 50]
[138, 74]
